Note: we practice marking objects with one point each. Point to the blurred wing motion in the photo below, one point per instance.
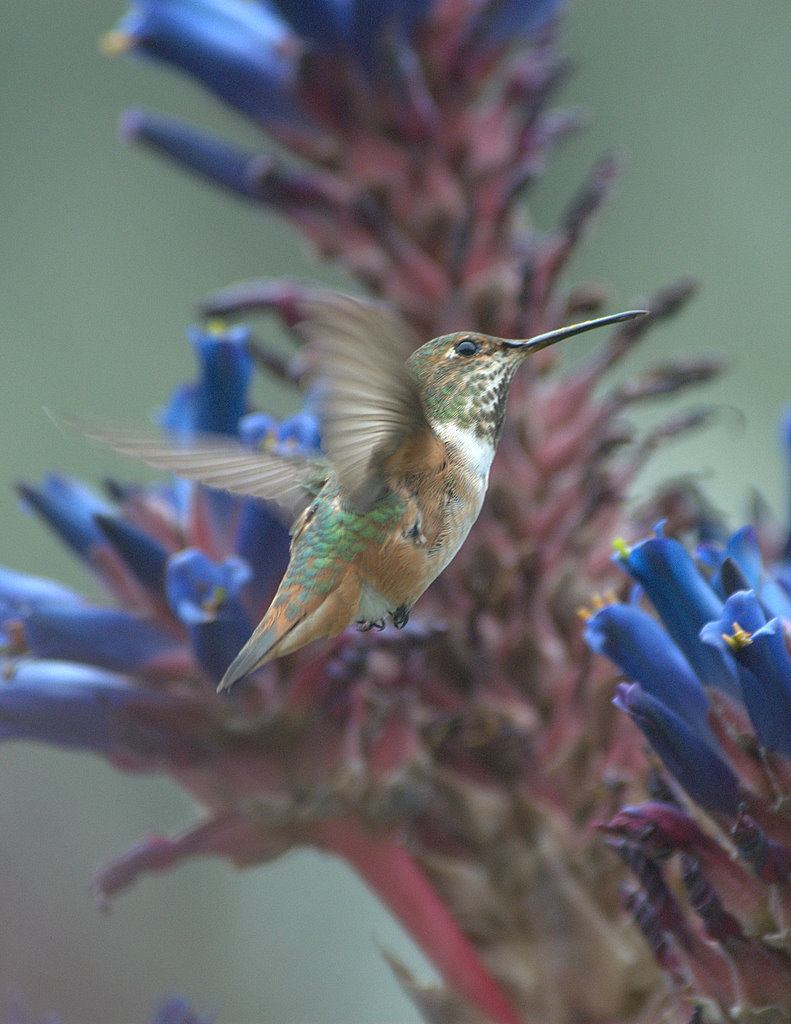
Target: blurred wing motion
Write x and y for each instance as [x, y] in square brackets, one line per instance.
[370, 408]
[288, 482]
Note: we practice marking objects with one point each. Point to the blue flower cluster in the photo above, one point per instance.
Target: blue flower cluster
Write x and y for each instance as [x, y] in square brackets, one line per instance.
[719, 635]
[190, 568]
[270, 60]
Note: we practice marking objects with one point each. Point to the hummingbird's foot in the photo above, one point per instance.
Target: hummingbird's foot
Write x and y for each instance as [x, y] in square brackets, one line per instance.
[400, 616]
[364, 625]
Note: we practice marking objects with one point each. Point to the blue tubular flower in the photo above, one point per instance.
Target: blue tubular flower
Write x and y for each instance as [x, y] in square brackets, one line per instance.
[218, 399]
[697, 766]
[86, 708]
[352, 29]
[213, 404]
[298, 435]
[258, 430]
[69, 507]
[739, 566]
[262, 541]
[294, 435]
[142, 554]
[743, 549]
[211, 157]
[644, 652]
[759, 647]
[205, 597]
[684, 601]
[20, 590]
[62, 703]
[105, 637]
[242, 51]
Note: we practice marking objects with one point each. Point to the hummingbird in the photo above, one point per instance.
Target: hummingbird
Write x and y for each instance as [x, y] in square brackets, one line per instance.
[409, 440]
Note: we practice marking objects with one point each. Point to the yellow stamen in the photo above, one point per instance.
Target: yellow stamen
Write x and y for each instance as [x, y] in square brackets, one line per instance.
[214, 601]
[597, 602]
[216, 325]
[738, 638]
[115, 42]
[621, 547]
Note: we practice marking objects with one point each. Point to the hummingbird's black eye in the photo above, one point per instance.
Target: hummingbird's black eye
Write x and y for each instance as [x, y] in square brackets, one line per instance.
[467, 346]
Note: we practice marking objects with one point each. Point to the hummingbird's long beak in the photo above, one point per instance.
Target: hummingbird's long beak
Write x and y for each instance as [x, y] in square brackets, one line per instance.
[540, 341]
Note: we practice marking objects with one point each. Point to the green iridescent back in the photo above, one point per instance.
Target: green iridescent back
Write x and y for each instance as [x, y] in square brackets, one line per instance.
[335, 536]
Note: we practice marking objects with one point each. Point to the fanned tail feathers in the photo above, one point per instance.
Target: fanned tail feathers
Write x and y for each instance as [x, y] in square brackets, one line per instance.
[292, 622]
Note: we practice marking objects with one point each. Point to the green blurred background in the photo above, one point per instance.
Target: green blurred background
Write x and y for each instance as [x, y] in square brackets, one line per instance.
[105, 253]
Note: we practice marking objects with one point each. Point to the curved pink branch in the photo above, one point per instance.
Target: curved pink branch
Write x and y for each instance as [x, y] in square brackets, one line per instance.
[399, 882]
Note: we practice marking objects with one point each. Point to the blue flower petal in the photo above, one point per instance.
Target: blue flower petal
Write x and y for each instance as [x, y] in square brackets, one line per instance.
[86, 708]
[62, 703]
[702, 772]
[217, 641]
[104, 637]
[377, 19]
[353, 28]
[743, 548]
[684, 601]
[263, 541]
[144, 556]
[298, 435]
[206, 155]
[644, 652]
[766, 666]
[215, 403]
[205, 596]
[742, 557]
[218, 400]
[327, 24]
[258, 429]
[196, 587]
[69, 509]
[19, 590]
[240, 50]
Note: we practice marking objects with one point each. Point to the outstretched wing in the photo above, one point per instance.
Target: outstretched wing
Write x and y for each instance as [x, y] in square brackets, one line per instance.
[369, 402]
[289, 483]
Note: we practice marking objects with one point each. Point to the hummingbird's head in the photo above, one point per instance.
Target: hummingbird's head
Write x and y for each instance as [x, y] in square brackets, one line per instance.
[464, 377]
